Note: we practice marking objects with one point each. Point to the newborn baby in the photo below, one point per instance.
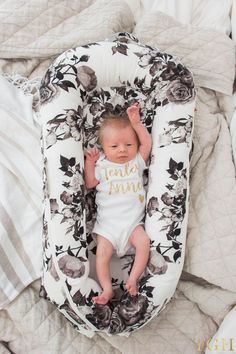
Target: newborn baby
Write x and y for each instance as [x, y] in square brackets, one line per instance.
[117, 174]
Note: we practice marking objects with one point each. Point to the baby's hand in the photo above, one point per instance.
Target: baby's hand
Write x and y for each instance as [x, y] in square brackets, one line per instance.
[92, 154]
[133, 113]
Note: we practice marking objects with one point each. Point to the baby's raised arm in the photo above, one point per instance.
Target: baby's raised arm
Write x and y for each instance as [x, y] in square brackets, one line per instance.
[92, 155]
[141, 131]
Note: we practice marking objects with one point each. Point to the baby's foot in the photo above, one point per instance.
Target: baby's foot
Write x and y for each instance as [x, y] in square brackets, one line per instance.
[104, 297]
[131, 286]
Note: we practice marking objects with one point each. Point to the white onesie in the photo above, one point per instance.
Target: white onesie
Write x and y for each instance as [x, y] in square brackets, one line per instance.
[120, 200]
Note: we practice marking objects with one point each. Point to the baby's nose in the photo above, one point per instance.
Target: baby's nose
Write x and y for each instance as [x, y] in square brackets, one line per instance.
[122, 147]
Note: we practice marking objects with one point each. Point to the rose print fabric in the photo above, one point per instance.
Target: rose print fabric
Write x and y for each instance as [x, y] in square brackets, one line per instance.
[120, 200]
[78, 88]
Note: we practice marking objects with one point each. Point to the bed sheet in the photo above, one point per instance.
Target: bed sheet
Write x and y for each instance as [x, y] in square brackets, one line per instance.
[207, 290]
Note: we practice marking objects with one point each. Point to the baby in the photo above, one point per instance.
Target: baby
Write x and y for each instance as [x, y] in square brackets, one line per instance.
[117, 174]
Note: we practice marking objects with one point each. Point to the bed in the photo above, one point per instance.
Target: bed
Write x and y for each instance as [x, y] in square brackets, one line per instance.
[201, 314]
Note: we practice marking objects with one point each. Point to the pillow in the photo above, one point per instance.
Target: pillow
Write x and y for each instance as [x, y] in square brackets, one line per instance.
[77, 89]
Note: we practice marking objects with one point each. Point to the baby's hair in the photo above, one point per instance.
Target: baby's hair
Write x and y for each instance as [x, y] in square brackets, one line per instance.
[113, 120]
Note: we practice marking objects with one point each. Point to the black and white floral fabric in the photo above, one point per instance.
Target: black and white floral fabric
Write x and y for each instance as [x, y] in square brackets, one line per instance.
[77, 89]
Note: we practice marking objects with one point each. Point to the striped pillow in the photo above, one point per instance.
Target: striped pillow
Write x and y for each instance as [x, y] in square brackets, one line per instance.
[20, 193]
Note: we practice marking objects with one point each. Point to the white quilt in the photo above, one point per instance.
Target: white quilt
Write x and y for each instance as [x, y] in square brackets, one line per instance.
[207, 290]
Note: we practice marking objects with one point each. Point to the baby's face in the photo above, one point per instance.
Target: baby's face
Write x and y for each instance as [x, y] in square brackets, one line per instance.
[119, 145]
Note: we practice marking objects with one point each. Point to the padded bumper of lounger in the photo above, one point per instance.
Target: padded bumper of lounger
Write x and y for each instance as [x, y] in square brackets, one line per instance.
[79, 86]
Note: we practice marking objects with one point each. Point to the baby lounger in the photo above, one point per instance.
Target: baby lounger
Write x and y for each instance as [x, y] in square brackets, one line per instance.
[79, 86]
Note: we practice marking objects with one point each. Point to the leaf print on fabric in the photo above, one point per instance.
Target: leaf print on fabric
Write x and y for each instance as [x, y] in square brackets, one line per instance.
[79, 299]
[71, 254]
[172, 210]
[170, 71]
[153, 59]
[178, 131]
[141, 85]
[73, 198]
[91, 212]
[119, 48]
[124, 37]
[65, 76]
[129, 261]
[89, 45]
[176, 169]
[66, 307]
[144, 286]
[181, 130]
[64, 126]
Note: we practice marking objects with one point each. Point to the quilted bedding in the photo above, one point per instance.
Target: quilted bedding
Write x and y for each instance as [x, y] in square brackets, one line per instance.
[207, 289]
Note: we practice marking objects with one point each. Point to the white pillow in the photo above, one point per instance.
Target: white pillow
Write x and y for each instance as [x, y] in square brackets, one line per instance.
[212, 13]
[201, 13]
[179, 9]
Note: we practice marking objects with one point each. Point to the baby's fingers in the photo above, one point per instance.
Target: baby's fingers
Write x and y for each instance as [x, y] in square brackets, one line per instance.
[88, 152]
[93, 154]
[136, 105]
[96, 151]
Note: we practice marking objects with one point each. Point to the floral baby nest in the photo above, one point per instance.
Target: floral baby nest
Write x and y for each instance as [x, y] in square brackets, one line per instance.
[78, 88]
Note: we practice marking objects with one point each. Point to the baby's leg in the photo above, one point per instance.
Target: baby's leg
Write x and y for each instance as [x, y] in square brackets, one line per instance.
[103, 256]
[141, 242]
